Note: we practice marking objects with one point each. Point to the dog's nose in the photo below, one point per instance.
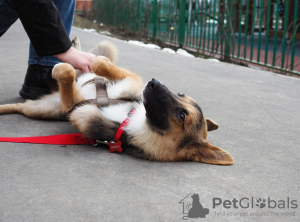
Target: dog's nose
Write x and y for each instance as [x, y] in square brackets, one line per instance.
[154, 83]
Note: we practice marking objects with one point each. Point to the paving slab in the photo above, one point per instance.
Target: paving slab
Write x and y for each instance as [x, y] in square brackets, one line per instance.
[258, 114]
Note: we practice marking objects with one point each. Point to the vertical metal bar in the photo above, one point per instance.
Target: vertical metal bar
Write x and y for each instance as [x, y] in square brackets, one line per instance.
[232, 28]
[209, 27]
[228, 30]
[158, 21]
[222, 7]
[201, 28]
[253, 28]
[246, 28]
[260, 28]
[154, 17]
[286, 2]
[197, 8]
[276, 34]
[268, 31]
[189, 26]
[203, 23]
[194, 26]
[240, 28]
[294, 33]
[181, 30]
[138, 14]
[214, 25]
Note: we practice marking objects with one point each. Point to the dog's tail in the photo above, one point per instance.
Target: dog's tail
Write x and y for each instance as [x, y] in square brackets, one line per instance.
[107, 49]
[104, 48]
[10, 108]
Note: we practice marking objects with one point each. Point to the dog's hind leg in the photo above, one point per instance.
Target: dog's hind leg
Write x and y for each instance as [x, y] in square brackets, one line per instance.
[102, 66]
[46, 107]
[69, 92]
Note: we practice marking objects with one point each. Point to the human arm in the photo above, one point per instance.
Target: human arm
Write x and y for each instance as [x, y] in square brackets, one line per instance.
[78, 59]
[44, 26]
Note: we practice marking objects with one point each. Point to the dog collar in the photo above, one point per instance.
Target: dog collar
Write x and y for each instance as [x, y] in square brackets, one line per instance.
[116, 145]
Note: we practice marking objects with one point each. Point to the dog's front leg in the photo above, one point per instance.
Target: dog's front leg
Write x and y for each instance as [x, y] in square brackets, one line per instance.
[69, 92]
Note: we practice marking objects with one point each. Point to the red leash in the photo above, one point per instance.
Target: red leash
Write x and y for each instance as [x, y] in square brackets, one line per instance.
[116, 145]
[72, 139]
[62, 139]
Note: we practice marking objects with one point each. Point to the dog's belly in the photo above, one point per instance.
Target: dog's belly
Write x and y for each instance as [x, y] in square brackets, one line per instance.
[87, 91]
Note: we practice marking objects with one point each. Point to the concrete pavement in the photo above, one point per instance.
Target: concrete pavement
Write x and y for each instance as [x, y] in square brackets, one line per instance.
[258, 114]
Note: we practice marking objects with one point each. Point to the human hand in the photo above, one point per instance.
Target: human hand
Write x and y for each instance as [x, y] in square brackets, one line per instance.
[78, 59]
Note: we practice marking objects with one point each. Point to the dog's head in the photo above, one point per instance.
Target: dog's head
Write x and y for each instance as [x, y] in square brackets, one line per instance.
[180, 128]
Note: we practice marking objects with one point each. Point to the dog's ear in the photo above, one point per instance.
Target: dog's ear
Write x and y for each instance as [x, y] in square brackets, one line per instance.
[211, 125]
[208, 153]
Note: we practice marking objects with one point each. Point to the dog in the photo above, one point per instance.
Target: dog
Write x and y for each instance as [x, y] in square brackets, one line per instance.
[163, 127]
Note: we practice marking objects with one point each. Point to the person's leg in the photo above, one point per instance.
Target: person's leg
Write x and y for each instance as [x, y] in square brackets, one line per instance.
[8, 15]
[38, 80]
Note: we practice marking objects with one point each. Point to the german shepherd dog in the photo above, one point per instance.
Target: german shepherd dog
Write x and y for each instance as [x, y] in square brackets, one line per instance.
[164, 126]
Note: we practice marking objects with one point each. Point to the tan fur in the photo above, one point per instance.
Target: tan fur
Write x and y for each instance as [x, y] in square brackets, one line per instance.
[164, 146]
[10, 108]
[69, 92]
[104, 67]
[211, 154]
[106, 49]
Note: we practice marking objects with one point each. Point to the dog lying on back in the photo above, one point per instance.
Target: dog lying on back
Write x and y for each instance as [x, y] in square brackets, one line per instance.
[164, 126]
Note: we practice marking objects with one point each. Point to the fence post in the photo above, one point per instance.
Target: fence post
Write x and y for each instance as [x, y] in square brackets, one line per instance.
[229, 30]
[138, 14]
[154, 17]
[181, 29]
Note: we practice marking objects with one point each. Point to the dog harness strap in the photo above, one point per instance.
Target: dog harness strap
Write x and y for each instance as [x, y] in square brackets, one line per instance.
[62, 139]
[102, 99]
[101, 93]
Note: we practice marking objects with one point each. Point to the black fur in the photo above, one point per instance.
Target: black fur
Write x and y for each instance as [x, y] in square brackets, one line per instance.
[159, 103]
[100, 128]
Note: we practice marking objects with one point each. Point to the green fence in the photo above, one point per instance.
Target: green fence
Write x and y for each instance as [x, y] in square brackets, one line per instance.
[260, 32]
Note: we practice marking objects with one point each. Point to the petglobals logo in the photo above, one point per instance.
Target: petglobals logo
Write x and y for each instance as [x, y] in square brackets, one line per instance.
[194, 206]
[251, 203]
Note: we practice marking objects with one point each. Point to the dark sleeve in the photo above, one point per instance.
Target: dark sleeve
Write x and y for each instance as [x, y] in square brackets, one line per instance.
[44, 26]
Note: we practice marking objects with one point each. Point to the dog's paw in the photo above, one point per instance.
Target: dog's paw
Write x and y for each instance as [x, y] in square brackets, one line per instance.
[101, 65]
[102, 59]
[63, 72]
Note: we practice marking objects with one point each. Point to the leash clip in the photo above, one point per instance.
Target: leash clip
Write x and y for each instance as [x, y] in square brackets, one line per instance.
[113, 145]
[98, 142]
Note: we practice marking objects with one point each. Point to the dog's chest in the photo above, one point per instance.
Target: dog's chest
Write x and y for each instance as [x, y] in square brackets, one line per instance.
[88, 91]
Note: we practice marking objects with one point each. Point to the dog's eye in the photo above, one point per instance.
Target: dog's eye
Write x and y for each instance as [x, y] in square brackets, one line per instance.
[181, 116]
[181, 94]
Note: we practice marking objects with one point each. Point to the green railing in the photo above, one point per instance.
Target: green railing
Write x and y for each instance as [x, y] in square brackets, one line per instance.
[260, 32]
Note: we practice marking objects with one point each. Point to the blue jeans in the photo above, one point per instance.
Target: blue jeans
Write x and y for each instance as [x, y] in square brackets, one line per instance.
[8, 16]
